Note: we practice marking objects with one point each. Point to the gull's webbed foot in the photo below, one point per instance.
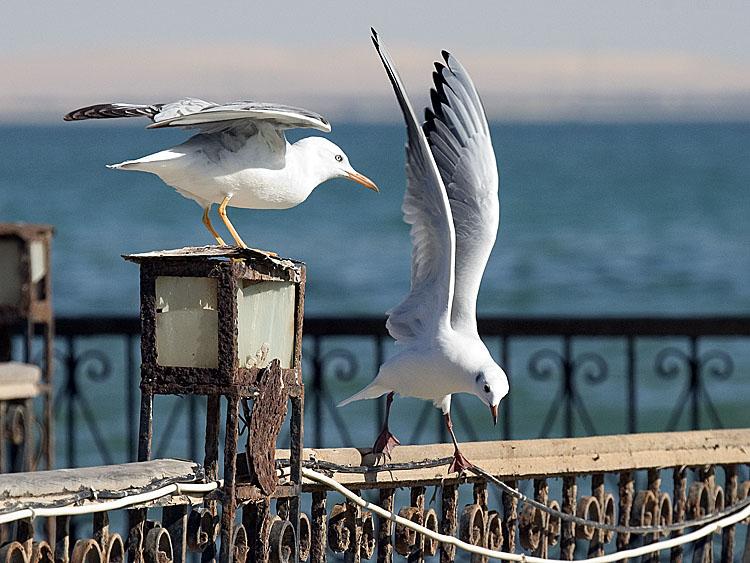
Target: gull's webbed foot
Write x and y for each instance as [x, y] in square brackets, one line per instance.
[459, 464]
[385, 443]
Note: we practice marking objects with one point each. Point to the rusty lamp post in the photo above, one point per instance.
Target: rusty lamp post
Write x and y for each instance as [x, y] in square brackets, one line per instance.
[219, 321]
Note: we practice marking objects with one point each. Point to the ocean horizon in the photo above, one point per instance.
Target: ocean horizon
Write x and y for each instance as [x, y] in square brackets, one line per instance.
[620, 218]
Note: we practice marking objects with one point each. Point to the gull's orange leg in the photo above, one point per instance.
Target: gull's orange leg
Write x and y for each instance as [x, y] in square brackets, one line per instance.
[232, 231]
[210, 227]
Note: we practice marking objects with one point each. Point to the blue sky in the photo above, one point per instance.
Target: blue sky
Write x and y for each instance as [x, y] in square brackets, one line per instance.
[527, 58]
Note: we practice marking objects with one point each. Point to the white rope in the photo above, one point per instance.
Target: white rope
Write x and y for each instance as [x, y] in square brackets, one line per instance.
[617, 556]
[72, 510]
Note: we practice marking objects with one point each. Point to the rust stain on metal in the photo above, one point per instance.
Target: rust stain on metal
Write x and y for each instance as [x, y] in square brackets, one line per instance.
[269, 413]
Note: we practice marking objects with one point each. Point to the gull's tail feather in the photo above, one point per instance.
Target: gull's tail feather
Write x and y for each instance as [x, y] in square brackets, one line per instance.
[372, 391]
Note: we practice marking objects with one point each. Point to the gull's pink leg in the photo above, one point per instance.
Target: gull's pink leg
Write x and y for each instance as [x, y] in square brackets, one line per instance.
[459, 463]
[386, 441]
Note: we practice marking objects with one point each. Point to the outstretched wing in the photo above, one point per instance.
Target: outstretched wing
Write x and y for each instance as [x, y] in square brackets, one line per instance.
[457, 130]
[193, 113]
[427, 210]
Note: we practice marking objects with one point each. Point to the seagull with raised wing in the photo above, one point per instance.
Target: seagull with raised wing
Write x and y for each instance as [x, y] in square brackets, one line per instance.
[240, 156]
[451, 203]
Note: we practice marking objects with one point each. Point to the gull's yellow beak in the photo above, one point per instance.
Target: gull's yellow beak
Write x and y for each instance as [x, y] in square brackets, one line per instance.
[493, 410]
[364, 180]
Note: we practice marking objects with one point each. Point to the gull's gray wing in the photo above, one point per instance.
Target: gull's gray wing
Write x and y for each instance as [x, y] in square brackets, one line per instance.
[193, 113]
[427, 306]
[457, 130]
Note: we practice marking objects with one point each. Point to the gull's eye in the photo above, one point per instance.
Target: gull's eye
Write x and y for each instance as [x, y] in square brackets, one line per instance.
[486, 388]
[339, 158]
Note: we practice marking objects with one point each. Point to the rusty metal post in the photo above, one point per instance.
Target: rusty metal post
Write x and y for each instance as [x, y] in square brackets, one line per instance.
[679, 477]
[625, 495]
[385, 527]
[449, 520]
[541, 494]
[730, 492]
[230, 469]
[510, 518]
[318, 529]
[254, 516]
[145, 432]
[567, 532]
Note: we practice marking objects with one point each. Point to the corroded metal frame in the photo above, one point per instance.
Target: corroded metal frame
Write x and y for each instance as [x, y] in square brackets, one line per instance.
[229, 379]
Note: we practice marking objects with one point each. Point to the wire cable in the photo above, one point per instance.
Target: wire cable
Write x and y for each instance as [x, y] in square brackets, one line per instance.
[617, 556]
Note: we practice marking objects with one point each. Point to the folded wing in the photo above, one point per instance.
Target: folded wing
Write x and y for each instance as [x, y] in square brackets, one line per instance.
[193, 113]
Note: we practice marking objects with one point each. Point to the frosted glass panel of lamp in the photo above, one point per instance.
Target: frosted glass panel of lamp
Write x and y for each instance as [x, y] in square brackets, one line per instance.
[38, 261]
[187, 322]
[265, 316]
[10, 275]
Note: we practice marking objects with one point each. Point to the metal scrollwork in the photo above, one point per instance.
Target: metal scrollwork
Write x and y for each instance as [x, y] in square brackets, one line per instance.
[531, 525]
[86, 551]
[115, 549]
[239, 546]
[42, 553]
[340, 527]
[718, 363]
[305, 535]
[405, 537]
[368, 540]
[663, 515]
[430, 521]
[553, 524]
[13, 552]
[15, 424]
[471, 527]
[202, 528]
[94, 364]
[281, 541]
[670, 361]
[609, 514]
[592, 366]
[588, 508]
[545, 363]
[698, 502]
[643, 510]
[157, 547]
[343, 363]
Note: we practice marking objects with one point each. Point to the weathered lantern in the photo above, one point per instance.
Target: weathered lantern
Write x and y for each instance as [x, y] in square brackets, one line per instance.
[25, 303]
[221, 321]
[25, 283]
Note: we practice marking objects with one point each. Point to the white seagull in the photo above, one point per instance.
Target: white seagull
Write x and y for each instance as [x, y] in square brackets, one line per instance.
[451, 203]
[240, 157]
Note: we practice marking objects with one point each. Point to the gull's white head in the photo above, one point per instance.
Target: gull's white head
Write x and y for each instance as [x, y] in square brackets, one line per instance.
[491, 385]
[326, 160]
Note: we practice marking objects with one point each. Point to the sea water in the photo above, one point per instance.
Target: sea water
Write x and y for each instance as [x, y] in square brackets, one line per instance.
[596, 219]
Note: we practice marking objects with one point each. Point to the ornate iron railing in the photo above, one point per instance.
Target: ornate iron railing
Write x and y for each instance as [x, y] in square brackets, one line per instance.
[587, 497]
[569, 377]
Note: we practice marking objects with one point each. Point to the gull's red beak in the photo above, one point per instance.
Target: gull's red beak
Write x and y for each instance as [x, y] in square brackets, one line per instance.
[493, 410]
[364, 180]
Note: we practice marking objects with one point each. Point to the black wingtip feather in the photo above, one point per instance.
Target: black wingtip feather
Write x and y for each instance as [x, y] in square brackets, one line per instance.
[429, 121]
[436, 101]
